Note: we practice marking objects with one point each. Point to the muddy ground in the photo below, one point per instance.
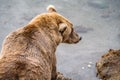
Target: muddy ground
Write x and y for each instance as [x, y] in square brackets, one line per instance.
[97, 21]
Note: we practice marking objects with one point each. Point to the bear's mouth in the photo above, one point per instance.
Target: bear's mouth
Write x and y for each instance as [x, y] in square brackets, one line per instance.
[78, 40]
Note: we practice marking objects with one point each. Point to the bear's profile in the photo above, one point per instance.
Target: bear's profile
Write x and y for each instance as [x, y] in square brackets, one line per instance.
[29, 52]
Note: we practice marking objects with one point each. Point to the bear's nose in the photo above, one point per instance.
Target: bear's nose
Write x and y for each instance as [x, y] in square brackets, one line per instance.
[80, 38]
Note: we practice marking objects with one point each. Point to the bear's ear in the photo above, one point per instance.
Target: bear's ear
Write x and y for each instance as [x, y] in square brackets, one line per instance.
[51, 8]
[62, 27]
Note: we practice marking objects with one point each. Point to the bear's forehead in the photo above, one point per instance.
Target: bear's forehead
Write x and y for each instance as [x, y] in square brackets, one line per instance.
[53, 16]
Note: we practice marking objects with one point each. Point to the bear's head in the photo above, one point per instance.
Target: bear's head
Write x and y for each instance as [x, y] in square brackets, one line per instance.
[65, 27]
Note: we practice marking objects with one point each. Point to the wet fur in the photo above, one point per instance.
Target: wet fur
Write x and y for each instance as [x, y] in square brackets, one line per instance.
[108, 67]
[29, 52]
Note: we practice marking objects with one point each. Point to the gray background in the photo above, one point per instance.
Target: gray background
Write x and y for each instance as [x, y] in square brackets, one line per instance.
[97, 21]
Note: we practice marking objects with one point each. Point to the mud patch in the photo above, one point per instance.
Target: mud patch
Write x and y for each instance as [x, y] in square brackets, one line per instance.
[26, 17]
[99, 4]
[108, 67]
[82, 29]
[106, 14]
[118, 36]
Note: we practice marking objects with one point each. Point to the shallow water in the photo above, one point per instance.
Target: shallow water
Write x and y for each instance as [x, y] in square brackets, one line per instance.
[97, 21]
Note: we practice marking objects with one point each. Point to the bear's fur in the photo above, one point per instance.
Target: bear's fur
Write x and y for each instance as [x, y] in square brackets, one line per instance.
[108, 67]
[29, 52]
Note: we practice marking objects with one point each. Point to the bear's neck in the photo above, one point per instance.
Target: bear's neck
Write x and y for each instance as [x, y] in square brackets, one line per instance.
[43, 42]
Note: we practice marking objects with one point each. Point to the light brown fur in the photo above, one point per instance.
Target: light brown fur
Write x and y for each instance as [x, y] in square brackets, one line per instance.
[29, 52]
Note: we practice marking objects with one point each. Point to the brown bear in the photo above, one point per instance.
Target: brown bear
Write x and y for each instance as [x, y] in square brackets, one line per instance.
[29, 52]
[108, 67]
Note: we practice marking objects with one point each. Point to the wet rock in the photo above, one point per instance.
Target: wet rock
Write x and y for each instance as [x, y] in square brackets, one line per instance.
[60, 76]
[108, 67]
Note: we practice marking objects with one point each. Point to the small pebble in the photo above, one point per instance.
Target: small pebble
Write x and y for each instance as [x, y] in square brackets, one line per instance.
[83, 67]
[89, 65]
